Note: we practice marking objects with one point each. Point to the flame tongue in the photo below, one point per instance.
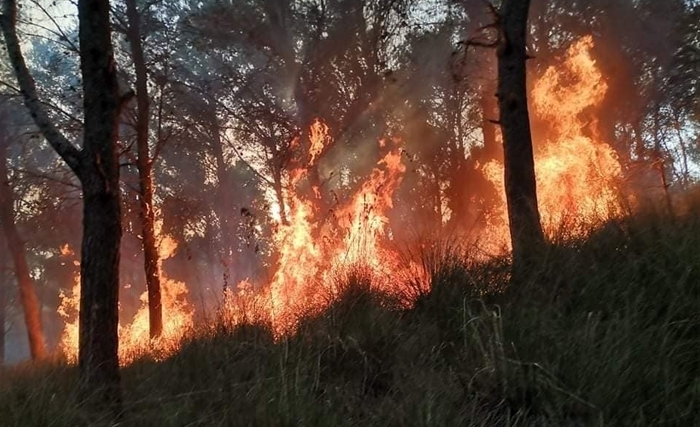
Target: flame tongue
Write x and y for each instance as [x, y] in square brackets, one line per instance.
[319, 138]
[307, 266]
[134, 337]
[577, 173]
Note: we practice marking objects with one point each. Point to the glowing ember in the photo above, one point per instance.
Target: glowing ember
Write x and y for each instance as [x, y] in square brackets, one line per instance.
[577, 173]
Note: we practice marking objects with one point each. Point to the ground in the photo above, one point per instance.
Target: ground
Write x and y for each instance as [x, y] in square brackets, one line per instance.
[603, 330]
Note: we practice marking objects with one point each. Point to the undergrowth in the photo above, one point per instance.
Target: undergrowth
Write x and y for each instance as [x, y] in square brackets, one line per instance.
[602, 331]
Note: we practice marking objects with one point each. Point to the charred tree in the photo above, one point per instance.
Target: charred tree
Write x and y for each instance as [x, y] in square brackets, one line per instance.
[27, 292]
[520, 185]
[144, 163]
[97, 167]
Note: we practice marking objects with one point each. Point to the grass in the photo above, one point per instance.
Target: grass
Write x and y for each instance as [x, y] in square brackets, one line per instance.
[603, 331]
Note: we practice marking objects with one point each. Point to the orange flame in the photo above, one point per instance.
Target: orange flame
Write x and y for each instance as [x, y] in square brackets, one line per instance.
[303, 281]
[577, 173]
[134, 337]
[319, 138]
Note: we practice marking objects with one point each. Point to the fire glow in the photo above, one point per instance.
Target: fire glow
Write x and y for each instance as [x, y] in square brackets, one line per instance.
[134, 336]
[578, 174]
[313, 255]
[577, 178]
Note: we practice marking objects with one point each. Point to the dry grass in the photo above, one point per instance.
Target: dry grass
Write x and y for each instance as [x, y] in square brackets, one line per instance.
[603, 331]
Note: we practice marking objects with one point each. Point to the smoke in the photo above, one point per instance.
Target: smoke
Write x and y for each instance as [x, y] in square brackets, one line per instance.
[252, 76]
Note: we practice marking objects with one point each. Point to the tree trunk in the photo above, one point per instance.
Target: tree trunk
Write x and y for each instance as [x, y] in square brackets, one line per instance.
[144, 165]
[521, 192]
[489, 113]
[224, 204]
[27, 292]
[97, 167]
[99, 175]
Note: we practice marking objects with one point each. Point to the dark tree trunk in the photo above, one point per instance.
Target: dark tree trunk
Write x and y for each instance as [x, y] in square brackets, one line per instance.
[27, 292]
[99, 175]
[144, 164]
[521, 192]
[277, 170]
[279, 194]
[97, 167]
[224, 205]
[489, 113]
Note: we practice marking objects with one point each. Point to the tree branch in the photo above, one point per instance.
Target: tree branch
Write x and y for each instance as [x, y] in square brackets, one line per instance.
[68, 152]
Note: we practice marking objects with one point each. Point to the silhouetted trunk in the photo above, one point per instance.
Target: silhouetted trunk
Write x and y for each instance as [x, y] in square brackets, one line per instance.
[279, 194]
[99, 175]
[27, 293]
[521, 192]
[97, 167]
[659, 161]
[224, 204]
[277, 183]
[144, 164]
[489, 113]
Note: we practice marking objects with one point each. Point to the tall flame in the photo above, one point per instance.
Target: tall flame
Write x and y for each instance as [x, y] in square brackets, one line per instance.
[134, 336]
[319, 138]
[577, 172]
[312, 254]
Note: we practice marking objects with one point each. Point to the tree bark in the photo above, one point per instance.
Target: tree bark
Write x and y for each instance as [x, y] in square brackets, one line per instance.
[521, 188]
[144, 164]
[99, 175]
[489, 111]
[97, 168]
[27, 292]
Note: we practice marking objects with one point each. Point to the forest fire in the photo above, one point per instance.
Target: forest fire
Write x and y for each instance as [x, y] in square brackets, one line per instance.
[577, 178]
[253, 212]
[577, 175]
[313, 255]
[134, 338]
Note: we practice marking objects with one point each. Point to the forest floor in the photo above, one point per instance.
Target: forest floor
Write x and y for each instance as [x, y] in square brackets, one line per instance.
[602, 331]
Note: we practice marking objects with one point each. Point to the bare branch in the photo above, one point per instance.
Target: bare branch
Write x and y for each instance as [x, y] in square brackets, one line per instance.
[62, 34]
[68, 152]
[45, 177]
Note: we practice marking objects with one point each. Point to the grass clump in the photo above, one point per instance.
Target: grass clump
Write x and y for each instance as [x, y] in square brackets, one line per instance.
[601, 331]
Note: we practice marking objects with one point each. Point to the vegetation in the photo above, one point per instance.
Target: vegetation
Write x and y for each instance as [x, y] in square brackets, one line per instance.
[243, 174]
[601, 331]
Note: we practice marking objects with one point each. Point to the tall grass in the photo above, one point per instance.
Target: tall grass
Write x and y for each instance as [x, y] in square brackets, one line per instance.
[602, 331]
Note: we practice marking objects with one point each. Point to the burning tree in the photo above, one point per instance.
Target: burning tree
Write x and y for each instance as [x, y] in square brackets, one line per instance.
[144, 163]
[521, 191]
